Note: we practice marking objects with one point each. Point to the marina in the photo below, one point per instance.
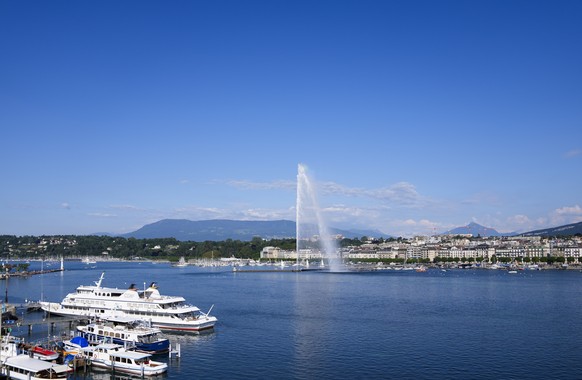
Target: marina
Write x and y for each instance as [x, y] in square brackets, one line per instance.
[458, 323]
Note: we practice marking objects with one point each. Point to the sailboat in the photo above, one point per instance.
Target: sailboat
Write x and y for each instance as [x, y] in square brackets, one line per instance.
[181, 263]
[87, 261]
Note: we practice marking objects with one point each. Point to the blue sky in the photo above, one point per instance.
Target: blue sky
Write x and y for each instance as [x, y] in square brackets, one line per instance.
[412, 116]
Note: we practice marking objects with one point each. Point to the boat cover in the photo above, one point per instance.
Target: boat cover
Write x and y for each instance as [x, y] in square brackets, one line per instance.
[82, 342]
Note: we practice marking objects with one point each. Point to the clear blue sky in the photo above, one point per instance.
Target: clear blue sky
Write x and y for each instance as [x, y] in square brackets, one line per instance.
[413, 116]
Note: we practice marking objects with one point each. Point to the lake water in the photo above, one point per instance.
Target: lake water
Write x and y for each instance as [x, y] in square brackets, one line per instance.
[458, 324]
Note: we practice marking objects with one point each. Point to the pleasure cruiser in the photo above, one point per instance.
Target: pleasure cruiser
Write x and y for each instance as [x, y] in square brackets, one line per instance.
[114, 356]
[163, 312]
[144, 338]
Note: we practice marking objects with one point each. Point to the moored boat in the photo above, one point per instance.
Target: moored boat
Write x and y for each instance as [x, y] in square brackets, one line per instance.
[181, 263]
[23, 367]
[44, 353]
[116, 357]
[39, 352]
[127, 333]
[9, 347]
[161, 311]
[74, 346]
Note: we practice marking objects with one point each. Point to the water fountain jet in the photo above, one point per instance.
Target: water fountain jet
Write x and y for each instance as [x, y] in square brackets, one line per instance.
[310, 223]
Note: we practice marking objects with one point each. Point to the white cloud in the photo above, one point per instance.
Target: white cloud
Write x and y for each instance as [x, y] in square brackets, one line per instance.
[250, 185]
[126, 207]
[102, 215]
[267, 214]
[410, 227]
[401, 193]
[520, 221]
[573, 153]
[66, 205]
[566, 215]
[573, 210]
[555, 218]
[241, 213]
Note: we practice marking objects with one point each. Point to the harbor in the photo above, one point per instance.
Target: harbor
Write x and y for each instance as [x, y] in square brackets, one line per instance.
[438, 318]
[39, 342]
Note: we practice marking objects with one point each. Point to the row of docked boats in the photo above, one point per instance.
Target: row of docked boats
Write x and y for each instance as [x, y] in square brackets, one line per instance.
[126, 330]
[123, 347]
[161, 311]
[116, 357]
[22, 361]
[20, 364]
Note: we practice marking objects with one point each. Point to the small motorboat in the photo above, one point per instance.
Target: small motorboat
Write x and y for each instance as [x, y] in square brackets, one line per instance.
[41, 353]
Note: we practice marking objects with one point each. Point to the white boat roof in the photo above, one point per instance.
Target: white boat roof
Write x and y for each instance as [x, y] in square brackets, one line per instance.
[91, 289]
[117, 319]
[34, 365]
[123, 353]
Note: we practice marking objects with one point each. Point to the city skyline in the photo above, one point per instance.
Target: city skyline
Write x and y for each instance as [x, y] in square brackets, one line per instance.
[413, 117]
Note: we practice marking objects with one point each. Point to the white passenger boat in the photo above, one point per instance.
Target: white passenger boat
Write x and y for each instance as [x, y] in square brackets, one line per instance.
[23, 367]
[117, 358]
[163, 312]
[127, 333]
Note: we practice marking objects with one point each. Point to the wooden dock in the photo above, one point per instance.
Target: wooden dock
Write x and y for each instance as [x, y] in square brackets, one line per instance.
[49, 321]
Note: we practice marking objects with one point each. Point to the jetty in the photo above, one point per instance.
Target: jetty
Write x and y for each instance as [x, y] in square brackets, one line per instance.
[4, 276]
[48, 321]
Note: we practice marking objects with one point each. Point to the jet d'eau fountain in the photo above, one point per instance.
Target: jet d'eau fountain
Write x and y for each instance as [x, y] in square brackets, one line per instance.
[312, 233]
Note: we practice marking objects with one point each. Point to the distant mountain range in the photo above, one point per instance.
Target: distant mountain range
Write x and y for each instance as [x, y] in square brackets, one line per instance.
[568, 229]
[223, 229]
[475, 230]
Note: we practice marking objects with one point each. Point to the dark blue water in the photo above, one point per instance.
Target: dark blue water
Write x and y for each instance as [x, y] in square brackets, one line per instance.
[459, 324]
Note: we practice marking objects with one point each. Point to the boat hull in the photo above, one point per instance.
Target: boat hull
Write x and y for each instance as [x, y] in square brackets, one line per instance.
[147, 371]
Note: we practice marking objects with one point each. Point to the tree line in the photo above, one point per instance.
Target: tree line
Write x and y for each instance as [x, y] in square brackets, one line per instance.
[131, 248]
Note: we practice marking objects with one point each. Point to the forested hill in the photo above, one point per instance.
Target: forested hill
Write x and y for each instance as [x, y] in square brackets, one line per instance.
[223, 229]
[566, 230]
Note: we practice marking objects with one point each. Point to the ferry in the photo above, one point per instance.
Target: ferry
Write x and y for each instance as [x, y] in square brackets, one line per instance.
[115, 356]
[127, 333]
[164, 312]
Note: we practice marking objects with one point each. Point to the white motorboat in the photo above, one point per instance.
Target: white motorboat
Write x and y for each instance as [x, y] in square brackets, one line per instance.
[163, 312]
[116, 357]
[127, 333]
[181, 263]
[23, 367]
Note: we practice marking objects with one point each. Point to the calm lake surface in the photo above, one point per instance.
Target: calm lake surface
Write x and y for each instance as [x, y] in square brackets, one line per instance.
[458, 324]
